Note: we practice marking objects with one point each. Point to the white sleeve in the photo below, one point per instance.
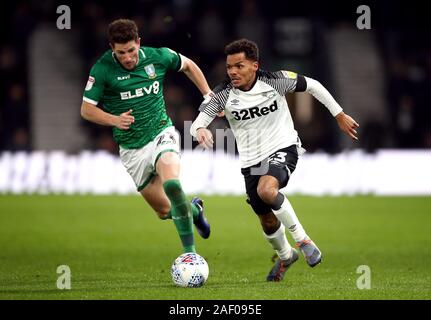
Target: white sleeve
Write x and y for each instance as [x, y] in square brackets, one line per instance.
[317, 90]
[202, 121]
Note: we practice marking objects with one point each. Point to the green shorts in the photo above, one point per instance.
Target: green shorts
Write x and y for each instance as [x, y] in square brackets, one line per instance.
[141, 163]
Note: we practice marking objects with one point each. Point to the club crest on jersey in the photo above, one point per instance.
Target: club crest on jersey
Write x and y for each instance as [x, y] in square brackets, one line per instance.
[269, 95]
[90, 83]
[150, 70]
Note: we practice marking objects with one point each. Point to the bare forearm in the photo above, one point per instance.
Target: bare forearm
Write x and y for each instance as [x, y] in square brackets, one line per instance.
[97, 115]
[195, 74]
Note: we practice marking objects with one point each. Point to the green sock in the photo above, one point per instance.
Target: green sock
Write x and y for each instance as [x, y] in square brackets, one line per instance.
[195, 213]
[180, 211]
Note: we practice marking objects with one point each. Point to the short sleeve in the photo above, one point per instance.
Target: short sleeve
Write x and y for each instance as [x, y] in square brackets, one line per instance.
[211, 106]
[95, 86]
[172, 59]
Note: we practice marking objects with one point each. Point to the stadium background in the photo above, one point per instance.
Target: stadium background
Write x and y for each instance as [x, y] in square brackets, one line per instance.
[380, 76]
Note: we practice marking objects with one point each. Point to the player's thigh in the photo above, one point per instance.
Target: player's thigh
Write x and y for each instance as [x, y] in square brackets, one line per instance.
[138, 164]
[155, 195]
[282, 163]
[166, 157]
[168, 166]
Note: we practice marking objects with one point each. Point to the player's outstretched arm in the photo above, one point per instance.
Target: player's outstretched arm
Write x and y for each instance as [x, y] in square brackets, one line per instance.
[94, 114]
[195, 74]
[346, 123]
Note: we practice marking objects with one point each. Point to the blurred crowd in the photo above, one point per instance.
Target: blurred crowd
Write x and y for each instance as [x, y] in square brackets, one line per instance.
[199, 30]
[408, 82]
[15, 110]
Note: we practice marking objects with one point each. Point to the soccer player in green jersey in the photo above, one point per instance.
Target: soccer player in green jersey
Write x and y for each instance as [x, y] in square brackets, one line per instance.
[128, 81]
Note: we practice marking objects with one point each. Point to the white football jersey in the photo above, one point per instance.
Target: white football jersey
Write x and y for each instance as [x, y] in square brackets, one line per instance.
[259, 118]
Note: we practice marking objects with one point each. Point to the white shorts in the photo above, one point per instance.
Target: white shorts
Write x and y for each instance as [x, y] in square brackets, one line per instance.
[141, 163]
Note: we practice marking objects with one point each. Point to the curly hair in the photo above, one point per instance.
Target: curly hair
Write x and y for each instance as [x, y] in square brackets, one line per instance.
[249, 48]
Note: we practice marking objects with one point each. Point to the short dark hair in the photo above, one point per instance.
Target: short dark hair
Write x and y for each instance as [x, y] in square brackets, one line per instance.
[250, 49]
[122, 31]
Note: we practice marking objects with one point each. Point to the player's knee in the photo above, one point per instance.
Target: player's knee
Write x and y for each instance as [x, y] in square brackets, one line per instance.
[169, 158]
[168, 166]
[267, 193]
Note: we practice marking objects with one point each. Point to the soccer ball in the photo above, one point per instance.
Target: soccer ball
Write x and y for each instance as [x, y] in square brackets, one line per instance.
[189, 270]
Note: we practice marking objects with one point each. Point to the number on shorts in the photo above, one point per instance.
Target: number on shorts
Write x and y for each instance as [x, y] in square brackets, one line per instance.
[278, 157]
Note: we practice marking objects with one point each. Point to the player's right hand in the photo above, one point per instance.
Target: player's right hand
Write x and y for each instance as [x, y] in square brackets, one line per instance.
[347, 124]
[205, 138]
[125, 120]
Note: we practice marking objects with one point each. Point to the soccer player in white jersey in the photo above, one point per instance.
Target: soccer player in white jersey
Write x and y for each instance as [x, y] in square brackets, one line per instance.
[254, 103]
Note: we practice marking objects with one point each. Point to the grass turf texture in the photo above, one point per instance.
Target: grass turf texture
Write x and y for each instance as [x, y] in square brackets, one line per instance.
[118, 249]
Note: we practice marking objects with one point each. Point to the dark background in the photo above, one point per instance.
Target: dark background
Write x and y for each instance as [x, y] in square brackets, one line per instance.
[201, 29]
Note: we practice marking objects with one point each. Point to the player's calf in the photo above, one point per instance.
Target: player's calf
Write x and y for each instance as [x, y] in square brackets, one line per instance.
[180, 210]
[164, 215]
[269, 222]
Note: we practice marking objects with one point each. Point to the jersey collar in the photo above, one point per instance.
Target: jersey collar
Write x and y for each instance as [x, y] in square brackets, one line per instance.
[142, 56]
[141, 51]
[252, 86]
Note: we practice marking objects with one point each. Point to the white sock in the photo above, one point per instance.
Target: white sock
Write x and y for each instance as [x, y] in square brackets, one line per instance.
[288, 218]
[279, 243]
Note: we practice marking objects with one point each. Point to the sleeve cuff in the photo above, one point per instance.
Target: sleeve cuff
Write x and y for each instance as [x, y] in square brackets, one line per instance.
[90, 101]
[181, 57]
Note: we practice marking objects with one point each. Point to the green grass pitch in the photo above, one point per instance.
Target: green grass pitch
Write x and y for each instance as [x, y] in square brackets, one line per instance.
[116, 248]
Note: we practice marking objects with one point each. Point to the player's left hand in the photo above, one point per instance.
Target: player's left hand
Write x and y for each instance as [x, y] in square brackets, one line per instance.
[347, 124]
[205, 138]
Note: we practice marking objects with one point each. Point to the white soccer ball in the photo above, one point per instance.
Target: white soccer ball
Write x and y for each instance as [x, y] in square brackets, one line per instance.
[189, 270]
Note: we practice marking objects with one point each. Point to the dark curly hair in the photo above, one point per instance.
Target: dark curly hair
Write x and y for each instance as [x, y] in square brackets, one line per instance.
[122, 31]
[250, 49]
